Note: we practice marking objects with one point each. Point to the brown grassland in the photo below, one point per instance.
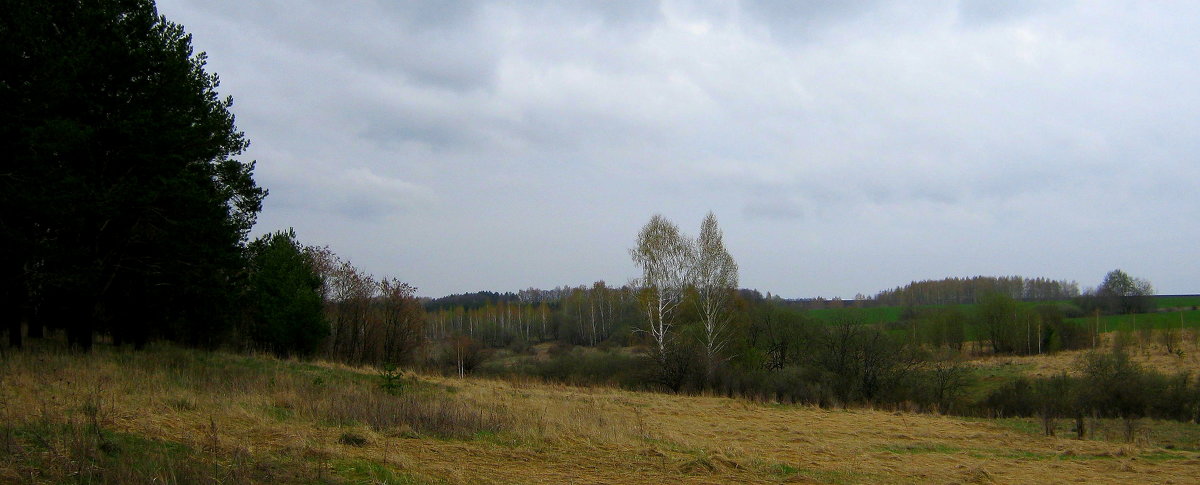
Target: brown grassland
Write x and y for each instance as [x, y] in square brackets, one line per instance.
[1146, 350]
[170, 415]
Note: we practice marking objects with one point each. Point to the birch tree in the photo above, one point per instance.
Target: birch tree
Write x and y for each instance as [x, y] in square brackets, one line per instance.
[715, 276]
[664, 255]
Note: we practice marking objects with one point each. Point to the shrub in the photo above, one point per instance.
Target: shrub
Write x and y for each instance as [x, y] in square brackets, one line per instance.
[1015, 398]
[583, 367]
[390, 379]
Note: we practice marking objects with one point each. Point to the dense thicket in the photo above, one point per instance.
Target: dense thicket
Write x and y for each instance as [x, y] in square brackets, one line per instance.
[124, 210]
[371, 321]
[1108, 385]
[583, 315]
[1119, 293]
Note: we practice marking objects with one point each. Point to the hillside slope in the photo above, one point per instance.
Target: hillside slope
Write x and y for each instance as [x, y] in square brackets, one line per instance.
[182, 416]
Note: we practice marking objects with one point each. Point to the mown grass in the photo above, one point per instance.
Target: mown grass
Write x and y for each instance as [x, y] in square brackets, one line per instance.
[920, 448]
[1161, 434]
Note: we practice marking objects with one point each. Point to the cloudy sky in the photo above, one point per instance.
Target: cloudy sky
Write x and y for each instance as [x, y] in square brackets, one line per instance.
[844, 147]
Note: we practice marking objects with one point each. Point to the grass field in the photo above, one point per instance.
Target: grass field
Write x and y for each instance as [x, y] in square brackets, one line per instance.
[1159, 320]
[1176, 301]
[883, 314]
[1150, 355]
[170, 415]
[1175, 311]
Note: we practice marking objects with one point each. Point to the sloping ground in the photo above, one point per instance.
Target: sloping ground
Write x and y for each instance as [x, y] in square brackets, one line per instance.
[179, 416]
[1150, 355]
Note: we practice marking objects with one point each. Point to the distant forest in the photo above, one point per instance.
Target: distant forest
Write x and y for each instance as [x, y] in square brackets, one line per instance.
[970, 290]
[588, 315]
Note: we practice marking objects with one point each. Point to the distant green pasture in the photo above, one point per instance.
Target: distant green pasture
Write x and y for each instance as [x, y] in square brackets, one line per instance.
[1177, 301]
[1191, 318]
[1109, 323]
[882, 314]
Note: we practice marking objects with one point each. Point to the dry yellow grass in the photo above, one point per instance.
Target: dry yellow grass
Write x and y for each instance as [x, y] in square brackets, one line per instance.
[259, 409]
[1150, 355]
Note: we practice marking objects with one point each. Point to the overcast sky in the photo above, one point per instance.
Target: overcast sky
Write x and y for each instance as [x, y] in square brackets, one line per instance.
[844, 147]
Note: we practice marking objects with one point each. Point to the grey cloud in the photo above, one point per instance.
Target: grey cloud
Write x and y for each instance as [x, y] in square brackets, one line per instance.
[809, 20]
[846, 146]
[986, 12]
[774, 208]
[433, 43]
[389, 126]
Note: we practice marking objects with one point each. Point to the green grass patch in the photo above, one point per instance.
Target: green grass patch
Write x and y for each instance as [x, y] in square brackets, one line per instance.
[1171, 436]
[879, 314]
[500, 438]
[1177, 301]
[280, 413]
[369, 472]
[1160, 455]
[1157, 455]
[890, 314]
[73, 453]
[1020, 425]
[783, 471]
[1138, 321]
[984, 380]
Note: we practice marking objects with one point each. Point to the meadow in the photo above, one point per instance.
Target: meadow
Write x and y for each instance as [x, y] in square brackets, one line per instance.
[173, 415]
[1172, 312]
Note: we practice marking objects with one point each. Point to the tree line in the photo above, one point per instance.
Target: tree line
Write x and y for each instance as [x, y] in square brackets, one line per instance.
[583, 315]
[127, 213]
[971, 290]
[125, 209]
[1106, 385]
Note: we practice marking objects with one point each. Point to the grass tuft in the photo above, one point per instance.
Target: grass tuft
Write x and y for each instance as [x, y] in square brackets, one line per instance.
[352, 439]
